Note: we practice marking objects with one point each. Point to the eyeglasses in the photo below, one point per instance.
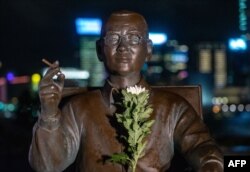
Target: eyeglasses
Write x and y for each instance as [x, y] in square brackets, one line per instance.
[115, 39]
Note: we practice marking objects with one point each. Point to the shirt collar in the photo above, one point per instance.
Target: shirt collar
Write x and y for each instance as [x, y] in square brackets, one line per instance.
[109, 89]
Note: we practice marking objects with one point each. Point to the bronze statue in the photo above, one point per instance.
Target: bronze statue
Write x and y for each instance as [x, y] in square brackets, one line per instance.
[82, 131]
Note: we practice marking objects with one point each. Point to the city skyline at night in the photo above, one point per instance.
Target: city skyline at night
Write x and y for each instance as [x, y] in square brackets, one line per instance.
[32, 30]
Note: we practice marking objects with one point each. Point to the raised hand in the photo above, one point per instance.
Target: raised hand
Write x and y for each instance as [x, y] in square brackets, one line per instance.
[50, 90]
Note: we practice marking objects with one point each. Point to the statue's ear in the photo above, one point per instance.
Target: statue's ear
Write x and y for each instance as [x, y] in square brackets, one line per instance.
[99, 50]
[149, 50]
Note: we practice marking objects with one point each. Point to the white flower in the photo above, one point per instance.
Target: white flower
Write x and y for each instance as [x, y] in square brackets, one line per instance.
[135, 89]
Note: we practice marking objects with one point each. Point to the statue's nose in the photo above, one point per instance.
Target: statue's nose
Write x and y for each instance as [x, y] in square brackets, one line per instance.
[123, 46]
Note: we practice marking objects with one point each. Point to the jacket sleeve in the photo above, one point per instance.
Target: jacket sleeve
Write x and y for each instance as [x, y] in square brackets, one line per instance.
[55, 141]
[194, 141]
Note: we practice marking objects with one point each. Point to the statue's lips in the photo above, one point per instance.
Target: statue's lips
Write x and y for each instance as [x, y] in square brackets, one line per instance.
[123, 60]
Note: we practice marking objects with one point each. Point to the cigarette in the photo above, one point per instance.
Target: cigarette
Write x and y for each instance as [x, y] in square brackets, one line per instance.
[50, 65]
[47, 63]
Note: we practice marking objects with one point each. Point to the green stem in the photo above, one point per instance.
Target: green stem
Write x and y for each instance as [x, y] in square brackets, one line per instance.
[134, 165]
[136, 157]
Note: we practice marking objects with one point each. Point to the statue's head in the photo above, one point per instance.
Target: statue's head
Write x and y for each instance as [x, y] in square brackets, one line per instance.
[124, 45]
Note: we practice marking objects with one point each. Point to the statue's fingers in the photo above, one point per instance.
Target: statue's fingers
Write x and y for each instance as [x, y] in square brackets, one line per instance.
[60, 80]
[50, 74]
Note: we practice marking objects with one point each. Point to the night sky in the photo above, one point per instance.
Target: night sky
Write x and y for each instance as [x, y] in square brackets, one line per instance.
[33, 29]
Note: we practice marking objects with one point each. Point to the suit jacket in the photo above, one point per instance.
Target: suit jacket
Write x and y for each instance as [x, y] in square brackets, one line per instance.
[85, 131]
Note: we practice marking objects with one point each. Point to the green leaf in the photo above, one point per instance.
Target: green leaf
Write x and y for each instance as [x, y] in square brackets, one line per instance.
[121, 158]
[140, 138]
[141, 148]
[128, 123]
[142, 98]
[135, 127]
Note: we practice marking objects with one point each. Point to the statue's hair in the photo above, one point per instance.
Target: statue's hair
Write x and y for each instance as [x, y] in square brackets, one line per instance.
[126, 13]
[123, 13]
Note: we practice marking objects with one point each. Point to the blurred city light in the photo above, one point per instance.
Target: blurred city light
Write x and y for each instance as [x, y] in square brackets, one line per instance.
[216, 109]
[179, 57]
[219, 100]
[35, 78]
[2, 81]
[10, 107]
[248, 107]
[8, 114]
[183, 48]
[7, 109]
[14, 100]
[225, 108]
[88, 26]
[243, 16]
[10, 76]
[224, 100]
[20, 80]
[158, 38]
[232, 107]
[240, 107]
[237, 44]
[1, 106]
[182, 74]
[72, 73]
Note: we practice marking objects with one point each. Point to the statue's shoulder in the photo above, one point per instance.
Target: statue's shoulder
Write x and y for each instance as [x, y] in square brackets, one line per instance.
[83, 96]
[87, 95]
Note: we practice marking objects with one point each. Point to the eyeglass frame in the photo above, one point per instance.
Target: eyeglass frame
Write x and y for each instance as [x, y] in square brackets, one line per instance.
[141, 38]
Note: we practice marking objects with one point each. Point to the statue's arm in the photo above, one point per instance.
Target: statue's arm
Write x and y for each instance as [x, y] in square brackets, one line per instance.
[55, 142]
[56, 134]
[194, 141]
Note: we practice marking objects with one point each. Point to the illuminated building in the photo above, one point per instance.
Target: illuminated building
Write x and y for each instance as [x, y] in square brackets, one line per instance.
[211, 73]
[205, 60]
[220, 68]
[168, 65]
[244, 16]
[89, 61]
[205, 56]
[213, 60]
[89, 31]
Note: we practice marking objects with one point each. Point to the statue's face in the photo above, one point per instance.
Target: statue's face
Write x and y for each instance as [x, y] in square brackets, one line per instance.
[125, 44]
